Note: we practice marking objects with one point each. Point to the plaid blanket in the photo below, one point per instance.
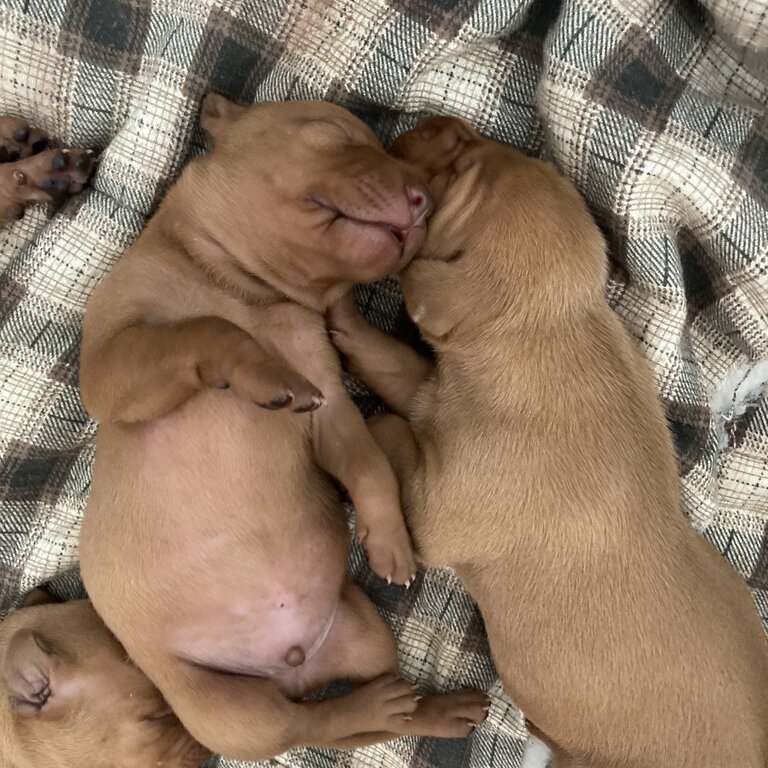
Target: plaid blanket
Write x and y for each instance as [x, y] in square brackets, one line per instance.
[657, 110]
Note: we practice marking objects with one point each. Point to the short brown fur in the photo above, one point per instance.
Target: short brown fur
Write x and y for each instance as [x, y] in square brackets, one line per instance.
[69, 697]
[214, 543]
[540, 467]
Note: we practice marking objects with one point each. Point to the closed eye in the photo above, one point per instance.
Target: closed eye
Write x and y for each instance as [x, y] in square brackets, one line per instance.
[159, 715]
[319, 132]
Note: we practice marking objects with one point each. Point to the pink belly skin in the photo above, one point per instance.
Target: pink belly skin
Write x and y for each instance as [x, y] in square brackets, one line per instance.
[276, 637]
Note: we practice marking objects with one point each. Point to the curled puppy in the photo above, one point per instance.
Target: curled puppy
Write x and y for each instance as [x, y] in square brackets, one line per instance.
[31, 173]
[539, 465]
[214, 544]
[69, 697]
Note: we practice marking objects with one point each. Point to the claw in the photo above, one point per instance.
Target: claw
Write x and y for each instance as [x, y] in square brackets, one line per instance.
[389, 579]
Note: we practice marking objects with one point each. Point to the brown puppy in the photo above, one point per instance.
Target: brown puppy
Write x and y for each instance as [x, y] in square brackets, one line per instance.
[543, 472]
[69, 697]
[31, 174]
[214, 544]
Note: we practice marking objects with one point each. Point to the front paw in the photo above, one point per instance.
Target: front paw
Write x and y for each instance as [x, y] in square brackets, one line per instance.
[271, 384]
[390, 551]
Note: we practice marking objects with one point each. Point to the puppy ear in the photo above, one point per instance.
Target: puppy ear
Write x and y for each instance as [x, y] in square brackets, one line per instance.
[28, 669]
[37, 597]
[431, 289]
[461, 128]
[216, 113]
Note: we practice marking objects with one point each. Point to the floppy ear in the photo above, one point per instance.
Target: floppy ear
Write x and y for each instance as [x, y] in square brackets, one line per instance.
[431, 289]
[28, 669]
[462, 128]
[37, 596]
[216, 113]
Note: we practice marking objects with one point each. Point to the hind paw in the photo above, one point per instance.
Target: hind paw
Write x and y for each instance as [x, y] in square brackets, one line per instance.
[19, 139]
[46, 177]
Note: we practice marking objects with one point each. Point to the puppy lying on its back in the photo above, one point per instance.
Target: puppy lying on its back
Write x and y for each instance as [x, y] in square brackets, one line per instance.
[542, 470]
[69, 697]
[214, 544]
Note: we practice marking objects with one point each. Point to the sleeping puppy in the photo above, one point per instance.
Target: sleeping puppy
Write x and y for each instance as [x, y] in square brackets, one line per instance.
[538, 464]
[69, 697]
[214, 544]
[30, 173]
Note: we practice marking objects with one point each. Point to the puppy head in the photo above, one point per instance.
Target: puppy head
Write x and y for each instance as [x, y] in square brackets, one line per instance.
[510, 239]
[312, 200]
[69, 697]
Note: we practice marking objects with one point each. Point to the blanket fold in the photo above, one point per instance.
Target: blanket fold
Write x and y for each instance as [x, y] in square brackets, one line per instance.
[657, 110]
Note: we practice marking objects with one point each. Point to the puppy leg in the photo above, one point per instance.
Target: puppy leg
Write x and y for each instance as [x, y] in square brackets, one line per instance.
[391, 368]
[344, 447]
[146, 371]
[395, 438]
[47, 177]
[18, 139]
[360, 646]
[451, 715]
[398, 443]
[248, 718]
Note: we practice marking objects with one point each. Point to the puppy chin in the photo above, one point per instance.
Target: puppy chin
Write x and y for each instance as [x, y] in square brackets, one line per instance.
[378, 253]
[414, 240]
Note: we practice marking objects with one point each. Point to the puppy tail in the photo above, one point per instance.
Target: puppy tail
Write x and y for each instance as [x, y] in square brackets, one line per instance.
[537, 754]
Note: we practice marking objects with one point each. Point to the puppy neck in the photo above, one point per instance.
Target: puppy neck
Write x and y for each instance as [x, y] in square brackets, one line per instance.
[240, 265]
[198, 235]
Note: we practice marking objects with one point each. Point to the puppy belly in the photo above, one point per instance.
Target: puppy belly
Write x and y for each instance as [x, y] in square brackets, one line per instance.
[273, 637]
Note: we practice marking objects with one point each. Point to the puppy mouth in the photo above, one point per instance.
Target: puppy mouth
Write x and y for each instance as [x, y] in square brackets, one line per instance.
[334, 213]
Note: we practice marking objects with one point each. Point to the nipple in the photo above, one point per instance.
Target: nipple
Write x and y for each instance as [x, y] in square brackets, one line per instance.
[294, 657]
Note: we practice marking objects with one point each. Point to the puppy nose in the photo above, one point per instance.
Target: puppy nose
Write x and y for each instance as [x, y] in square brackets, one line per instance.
[419, 202]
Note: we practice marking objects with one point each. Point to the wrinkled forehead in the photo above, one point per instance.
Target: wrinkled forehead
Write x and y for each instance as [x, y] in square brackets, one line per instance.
[295, 115]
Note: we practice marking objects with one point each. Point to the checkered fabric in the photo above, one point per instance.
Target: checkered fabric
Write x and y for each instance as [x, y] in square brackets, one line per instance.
[657, 110]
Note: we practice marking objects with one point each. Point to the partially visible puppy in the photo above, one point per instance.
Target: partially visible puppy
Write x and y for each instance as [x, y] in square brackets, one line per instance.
[30, 173]
[69, 697]
[214, 544]
[543, 471]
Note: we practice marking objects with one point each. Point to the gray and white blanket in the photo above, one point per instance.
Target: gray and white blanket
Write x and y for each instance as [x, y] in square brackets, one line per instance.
[657, 110]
